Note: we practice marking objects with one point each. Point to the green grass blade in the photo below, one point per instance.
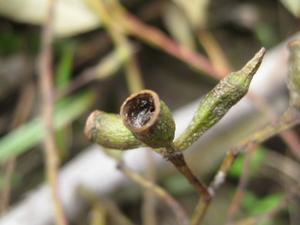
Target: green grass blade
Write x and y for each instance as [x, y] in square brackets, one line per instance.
[28, 135]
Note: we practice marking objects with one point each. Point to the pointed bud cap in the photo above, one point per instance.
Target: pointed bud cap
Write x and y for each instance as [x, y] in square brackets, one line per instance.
[215, 104]
[244, 76]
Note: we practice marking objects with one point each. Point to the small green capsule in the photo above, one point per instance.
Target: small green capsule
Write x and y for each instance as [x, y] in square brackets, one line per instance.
[149, 119]
[108, 130]
[218, 101]
[294, 73]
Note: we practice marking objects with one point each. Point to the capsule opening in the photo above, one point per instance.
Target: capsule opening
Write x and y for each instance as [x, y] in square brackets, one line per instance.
[140, 110]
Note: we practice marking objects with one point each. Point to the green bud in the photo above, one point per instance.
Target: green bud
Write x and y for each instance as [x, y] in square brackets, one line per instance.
[218, 101]
[149, 119]
[294, 73]
[108, 130]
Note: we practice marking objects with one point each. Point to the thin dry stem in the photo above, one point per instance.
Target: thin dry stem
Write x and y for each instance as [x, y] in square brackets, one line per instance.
[117, 214]
[22, 112]
[115, 31]
[149, 204]
[135, 84]
[214, 51]
[132, 71]
[161, 193]
[240, 191]
[6, 190]
[121, 42]
[289, 119]
[133, 75]
[291, 138]
[46, 88]
[148, 185]
[156, 38]
[288, 136]
[177, 159]
[200, 211]
[220, 176]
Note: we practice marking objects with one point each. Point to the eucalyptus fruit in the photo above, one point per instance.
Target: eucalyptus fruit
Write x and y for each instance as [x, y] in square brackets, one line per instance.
[149, 119]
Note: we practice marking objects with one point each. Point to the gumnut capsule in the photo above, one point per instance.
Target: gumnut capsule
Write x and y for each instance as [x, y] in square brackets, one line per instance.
[149, 119]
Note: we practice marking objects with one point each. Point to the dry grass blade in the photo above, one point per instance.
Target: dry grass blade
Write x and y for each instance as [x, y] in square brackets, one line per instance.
[46, 88]
[22, 112]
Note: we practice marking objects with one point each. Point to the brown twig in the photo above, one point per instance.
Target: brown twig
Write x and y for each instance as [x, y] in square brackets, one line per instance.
[158, 39]
[155, 189]
[201, 208]
[46, 88]
[161, 193]
[177, 159]
[200, 211]
[149, 204]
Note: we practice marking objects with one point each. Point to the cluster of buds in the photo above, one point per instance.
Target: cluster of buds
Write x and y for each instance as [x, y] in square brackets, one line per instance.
[146, 120]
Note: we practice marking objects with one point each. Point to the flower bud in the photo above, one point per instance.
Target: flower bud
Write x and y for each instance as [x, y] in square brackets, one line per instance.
[108, 130]
[218, 101]
[149, 119]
